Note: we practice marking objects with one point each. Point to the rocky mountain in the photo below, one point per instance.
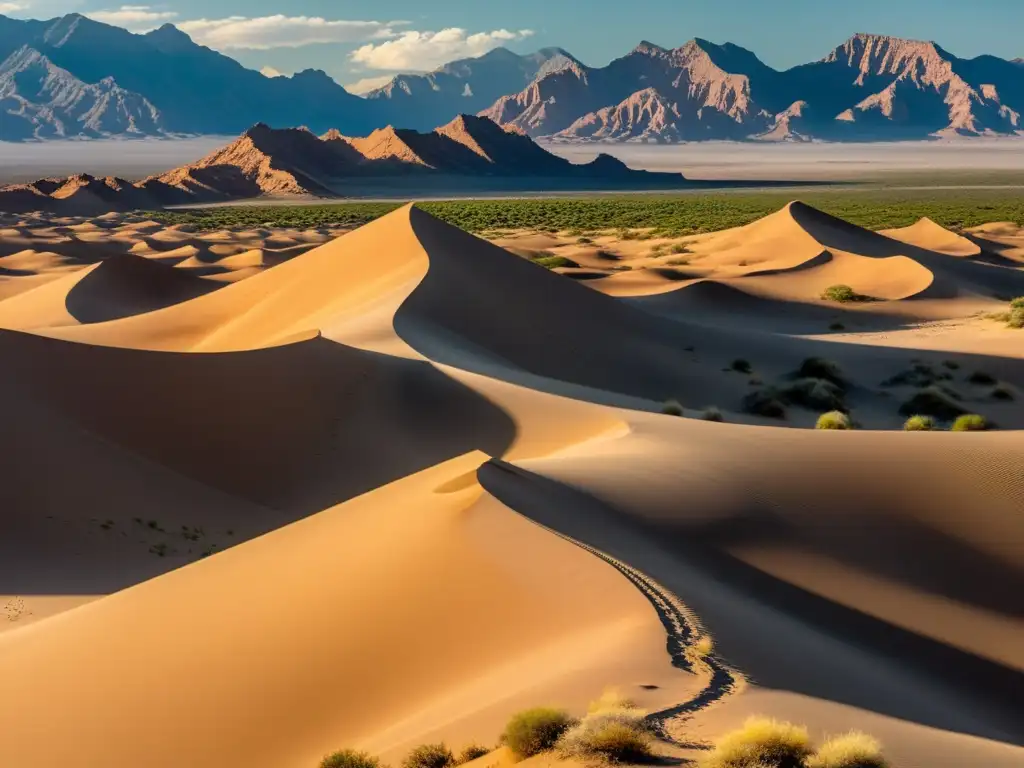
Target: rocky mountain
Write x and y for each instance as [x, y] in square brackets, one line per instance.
[870, 87]
[193, 88]
[464, 86]
[40, 101]
[265, 161]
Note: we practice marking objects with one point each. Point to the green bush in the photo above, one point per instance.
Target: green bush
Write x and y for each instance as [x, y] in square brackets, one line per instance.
[932, 402]
[760, 743]
[834, 420]
[765, 402]
[742, 366]
[816, 394]
[672, 408]
[472, 752]
[350, 758]
[429, 756]
[843, 294]
[533, 731]
[1016, 319]
[1017, 303]
[554, 262]
[971, 422]
[711, 413]
[819, 368]
[852, 750]
[919, 423]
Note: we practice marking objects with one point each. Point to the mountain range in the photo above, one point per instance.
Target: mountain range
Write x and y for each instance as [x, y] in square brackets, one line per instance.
[283, 162]
[75, 77]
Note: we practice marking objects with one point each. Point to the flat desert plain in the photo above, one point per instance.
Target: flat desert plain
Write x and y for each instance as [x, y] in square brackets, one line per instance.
[269, 494]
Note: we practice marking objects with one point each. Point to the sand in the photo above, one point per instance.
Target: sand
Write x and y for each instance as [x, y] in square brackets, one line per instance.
[275, 493]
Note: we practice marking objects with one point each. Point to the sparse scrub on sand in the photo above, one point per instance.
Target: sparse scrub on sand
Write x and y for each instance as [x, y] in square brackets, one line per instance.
[742, 366]
[613, 730]
[932, 401]
[672, 408]
[815, 394]
[761, 743]
[834, 420]
[920, 375]
[765, 402]
[350, 758]
[536, 730]
[711, 413]
[471, 753]
[843, 294]
[971, 422]
[554, 262]
[953, 365]
[851, 750]
[429, 756]
[1004, 392]
[819, 368]
[919, 423]
[837, 327]
[678, 248]
[981, 378]
[1016, 319]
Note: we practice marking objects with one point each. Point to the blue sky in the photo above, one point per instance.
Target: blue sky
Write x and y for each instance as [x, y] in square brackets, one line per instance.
[367, 41]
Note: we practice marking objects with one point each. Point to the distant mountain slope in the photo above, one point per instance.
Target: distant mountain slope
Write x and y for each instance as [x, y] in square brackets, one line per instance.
[464, 86]
[295, 162]
[195, 89]
[41, 100]
[870, 87]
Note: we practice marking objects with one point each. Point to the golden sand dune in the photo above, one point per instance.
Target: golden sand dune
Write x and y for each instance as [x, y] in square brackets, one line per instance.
[293, 496]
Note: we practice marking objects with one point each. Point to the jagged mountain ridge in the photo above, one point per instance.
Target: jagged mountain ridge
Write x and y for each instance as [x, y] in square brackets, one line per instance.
[265, 161]
[870, 87]
[41, 100]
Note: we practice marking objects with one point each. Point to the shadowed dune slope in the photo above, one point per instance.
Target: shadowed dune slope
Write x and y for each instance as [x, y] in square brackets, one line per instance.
[870, 594]
[373, 624]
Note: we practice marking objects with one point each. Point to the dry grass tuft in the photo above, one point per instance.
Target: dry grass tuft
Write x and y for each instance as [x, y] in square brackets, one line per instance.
[472, 752]
[761, 742]
[430, 756]
[536, 730]
[614, 730]
[350, 758]
[851, 750]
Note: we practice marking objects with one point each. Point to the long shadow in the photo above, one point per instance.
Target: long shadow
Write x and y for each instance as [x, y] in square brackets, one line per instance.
[807, 644]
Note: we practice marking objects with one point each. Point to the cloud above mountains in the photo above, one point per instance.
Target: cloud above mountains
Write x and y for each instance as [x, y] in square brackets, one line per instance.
[412, 50]
[385, 45]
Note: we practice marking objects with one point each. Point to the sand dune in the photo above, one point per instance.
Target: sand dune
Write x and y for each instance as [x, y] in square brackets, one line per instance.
[294, 479]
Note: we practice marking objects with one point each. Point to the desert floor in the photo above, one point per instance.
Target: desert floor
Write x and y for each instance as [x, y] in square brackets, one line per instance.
[270, 493]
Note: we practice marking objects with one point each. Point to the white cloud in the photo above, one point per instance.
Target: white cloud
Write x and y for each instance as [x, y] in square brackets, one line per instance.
[12, 7]
[269, 71]
[428, 50]
[281, 31]
[137, 18]
[368, 84]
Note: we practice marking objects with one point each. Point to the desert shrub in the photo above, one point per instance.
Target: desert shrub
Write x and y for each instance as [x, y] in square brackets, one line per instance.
[741, 365]
[760, 743]
[921, 375]
[677, 262]
[678, 248]
[970, 422]
[585, 241]
[816, 394]
[1017, 303]
[765, 402]
[818, 368]
[672, 408]
[951, 364]
[837, 327]
[711, 413]
[834, 420]
[919, 423]
[982, 378]
[554, 262]
[932, 402]
[842, 294]
[851, 750]
[533, 731]
[613, 730]
[350, 758]
[1003, 392]
[702, 647]
[1016, 318]
[472, 752]
[429, 756]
